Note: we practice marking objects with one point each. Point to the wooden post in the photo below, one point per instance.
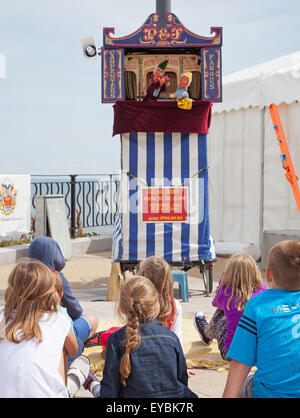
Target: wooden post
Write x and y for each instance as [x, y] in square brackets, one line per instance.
[115, 283]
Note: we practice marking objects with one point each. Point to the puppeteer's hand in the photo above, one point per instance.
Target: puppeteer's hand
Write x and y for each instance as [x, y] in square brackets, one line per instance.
[172, 96]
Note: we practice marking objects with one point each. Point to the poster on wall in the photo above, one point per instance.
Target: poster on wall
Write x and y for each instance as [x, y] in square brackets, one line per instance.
[14, 205]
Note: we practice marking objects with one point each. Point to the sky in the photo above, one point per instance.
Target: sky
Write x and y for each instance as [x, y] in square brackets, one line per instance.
[52, 120]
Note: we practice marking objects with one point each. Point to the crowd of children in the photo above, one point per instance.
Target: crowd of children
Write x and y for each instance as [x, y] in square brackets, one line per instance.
[43, 330]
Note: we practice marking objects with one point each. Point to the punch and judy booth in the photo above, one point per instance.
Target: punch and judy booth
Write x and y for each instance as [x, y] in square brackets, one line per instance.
[128, 62]
[163, 207]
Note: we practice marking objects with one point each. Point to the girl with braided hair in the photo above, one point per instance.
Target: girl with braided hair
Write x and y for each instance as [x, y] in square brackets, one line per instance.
[157, 270]
[144, 359]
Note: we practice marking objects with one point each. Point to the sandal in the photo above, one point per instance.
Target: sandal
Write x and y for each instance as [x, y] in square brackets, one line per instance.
[77, 374]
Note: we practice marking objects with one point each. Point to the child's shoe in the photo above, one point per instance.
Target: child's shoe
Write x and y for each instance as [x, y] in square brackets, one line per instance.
[200, 323]
[91, 378]
[92, 384]
[77, 374]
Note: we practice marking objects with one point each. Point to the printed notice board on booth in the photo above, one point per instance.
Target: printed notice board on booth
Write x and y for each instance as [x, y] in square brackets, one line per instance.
[165, 204]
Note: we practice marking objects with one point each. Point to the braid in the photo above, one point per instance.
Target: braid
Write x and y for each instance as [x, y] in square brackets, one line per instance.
[133, 338]
[139, 302]
[133, 341]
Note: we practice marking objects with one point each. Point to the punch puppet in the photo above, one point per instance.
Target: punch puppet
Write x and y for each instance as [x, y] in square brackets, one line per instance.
[159, 82]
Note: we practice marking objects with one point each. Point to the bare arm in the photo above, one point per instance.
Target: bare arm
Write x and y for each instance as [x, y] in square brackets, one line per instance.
[70, 348]
[235, 379]
[70, 345]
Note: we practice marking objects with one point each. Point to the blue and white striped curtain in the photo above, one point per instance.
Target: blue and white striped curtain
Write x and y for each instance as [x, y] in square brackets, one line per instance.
[163, 160]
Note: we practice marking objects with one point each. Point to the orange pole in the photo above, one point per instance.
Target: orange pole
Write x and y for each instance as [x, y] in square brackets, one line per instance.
[285, 154]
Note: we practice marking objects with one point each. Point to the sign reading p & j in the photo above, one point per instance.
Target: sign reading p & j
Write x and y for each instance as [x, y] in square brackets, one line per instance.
[165, 204]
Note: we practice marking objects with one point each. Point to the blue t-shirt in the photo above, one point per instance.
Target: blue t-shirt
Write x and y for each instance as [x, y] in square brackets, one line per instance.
[268, 337]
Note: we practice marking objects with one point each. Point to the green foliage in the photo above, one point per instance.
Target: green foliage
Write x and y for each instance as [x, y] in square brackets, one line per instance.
[11, 242]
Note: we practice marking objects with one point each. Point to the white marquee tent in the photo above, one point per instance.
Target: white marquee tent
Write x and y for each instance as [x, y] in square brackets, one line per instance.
[248, 190]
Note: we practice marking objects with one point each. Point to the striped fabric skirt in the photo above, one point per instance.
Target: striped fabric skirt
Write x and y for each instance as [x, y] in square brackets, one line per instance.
[163, 207]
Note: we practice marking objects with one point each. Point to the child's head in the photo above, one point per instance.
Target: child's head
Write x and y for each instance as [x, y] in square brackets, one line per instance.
[139, 303]
[31, 291]
[158, 271]
[47, 250]
[284, 265]
[242, 277]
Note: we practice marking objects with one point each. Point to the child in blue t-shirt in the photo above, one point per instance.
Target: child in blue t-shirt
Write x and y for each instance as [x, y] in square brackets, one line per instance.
[268, 334]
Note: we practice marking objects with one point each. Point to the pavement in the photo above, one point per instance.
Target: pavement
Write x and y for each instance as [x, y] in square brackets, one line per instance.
[88, 275]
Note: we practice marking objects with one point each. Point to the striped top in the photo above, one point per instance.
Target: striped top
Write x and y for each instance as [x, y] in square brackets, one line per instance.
[248, 324]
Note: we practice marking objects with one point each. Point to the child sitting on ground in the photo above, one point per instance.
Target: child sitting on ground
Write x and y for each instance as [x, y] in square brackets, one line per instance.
[144, 358]
[33, 334]
[158, 271]
[47, 250]
[240, 281]
[268, 334]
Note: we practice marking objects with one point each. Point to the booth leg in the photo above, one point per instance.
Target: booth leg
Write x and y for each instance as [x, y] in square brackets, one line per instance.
[207, 275]
[115, 283]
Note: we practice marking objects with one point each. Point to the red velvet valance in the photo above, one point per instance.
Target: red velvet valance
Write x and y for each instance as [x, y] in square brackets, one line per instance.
[155, 116]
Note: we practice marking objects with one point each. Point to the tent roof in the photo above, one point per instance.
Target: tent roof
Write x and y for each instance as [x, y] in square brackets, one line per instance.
[274, 81]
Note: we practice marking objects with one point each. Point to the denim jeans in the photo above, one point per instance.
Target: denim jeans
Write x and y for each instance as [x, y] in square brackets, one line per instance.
[82, 328]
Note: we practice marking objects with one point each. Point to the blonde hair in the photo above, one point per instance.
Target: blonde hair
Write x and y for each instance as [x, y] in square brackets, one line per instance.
[240, 279]
[158, 271]
[58, 284]
[139, 303]
[284, 263]
[31, 291]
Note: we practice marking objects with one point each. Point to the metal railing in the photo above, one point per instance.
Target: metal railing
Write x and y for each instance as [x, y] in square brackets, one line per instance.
[91, 199]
